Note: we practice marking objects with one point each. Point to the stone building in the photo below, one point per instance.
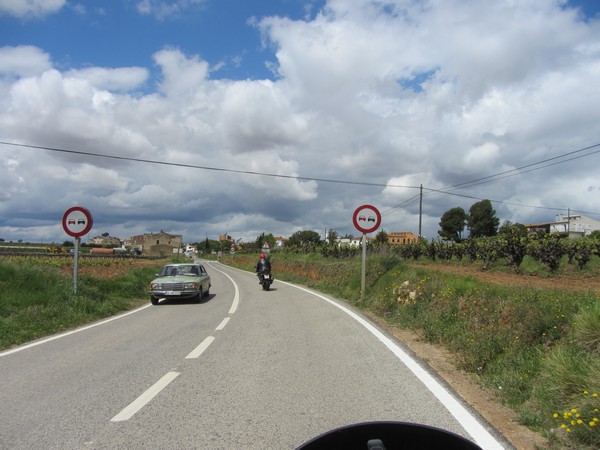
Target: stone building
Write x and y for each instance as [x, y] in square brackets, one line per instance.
[157, 244]
[401, 237]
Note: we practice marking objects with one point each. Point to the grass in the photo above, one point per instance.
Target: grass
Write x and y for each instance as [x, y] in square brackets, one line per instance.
[37, 299]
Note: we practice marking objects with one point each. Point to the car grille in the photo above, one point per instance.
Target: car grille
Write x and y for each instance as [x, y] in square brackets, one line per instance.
[172, 286]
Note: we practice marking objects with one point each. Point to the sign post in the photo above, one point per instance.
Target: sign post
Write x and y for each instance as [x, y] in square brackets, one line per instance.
[366, 219]
[76, 222]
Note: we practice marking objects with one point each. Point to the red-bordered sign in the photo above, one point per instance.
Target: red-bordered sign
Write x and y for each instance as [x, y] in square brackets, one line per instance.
[77, 221]
[366, 218]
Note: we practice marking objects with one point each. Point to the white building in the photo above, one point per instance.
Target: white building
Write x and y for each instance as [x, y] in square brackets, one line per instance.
[352, 242]
[574, 225]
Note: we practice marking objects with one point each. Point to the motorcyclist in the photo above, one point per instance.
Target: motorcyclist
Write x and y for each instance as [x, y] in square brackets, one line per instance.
[262, 265]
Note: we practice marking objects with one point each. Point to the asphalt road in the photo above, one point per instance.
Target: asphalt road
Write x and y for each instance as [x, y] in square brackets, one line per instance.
[245, 369]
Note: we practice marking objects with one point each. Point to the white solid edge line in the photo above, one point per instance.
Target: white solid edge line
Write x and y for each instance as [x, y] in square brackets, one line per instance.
[236, 297]
[200, 349]
[128, 412]
[68, 333]
[471, 425]
[222, 324]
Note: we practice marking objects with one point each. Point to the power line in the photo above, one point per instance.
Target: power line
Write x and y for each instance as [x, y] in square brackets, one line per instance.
[508, 174]
[518, 170]
[446, 191]
[217, 169]
[404, 203]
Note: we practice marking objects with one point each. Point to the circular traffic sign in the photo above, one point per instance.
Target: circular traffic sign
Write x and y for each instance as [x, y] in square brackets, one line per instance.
[366, 218]
[77, 221]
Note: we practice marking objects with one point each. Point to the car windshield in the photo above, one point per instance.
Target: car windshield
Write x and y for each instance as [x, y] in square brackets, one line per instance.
[187, 269]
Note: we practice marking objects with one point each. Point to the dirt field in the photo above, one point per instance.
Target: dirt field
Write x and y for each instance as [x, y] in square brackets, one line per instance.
[573, 281]
[112, 270]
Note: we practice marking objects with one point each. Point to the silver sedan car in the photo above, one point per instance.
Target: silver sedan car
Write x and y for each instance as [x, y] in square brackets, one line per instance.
[188, 280]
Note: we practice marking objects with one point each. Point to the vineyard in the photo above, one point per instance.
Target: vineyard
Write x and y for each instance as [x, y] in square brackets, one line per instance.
[510, 247]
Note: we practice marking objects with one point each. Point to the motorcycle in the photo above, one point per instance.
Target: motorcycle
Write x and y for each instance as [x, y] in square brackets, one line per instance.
[266, 279]
[390, 436]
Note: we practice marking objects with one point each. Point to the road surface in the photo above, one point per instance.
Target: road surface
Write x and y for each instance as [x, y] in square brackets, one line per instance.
[244, 369]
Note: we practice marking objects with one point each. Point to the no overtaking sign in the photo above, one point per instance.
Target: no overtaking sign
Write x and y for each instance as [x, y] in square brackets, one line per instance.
[77, 221]
[366, 218]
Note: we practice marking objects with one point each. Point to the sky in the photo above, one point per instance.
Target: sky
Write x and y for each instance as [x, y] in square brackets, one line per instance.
[210, 117]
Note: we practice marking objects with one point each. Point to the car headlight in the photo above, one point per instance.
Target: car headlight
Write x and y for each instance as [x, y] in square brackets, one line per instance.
[155, 286]
[191, 285]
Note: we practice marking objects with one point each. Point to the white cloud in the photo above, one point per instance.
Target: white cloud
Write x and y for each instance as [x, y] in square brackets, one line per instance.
[164, 9]
[34, 8]
[121, 79]
[181, 74]
[405, 93]
[23, 61]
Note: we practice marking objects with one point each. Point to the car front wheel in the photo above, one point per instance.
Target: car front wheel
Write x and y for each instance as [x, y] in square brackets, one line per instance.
[154, 300]
[198, 296]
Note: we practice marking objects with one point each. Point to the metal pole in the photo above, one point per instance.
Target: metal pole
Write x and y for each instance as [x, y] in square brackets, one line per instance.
[364, 266]
[420, 209]
[75, 264]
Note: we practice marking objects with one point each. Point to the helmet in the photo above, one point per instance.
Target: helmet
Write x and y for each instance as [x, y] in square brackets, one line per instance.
[262, 256]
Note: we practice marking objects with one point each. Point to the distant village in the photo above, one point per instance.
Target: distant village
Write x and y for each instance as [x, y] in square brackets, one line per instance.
[163, 243]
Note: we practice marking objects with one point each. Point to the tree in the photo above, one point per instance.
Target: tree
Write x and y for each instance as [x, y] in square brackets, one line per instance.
[268, 238]
[302, 238]
[509, 227]
[482, 220]
[210, 245]
[332, 236]
[381, 237]
[452, 224]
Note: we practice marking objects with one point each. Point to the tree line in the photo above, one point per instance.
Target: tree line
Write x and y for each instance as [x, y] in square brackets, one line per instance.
[487, 242]
[481, 222]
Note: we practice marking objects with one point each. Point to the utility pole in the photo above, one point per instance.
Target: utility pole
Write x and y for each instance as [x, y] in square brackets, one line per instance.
[420, 209]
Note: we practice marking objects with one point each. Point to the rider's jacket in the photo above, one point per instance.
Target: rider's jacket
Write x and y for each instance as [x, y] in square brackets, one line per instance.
[263, 264]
